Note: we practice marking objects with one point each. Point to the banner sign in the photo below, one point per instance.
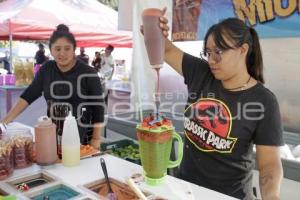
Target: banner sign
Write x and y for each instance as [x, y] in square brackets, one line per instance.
[270, 18]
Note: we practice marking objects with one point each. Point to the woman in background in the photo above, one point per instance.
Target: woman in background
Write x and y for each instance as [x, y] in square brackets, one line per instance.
[66, 81]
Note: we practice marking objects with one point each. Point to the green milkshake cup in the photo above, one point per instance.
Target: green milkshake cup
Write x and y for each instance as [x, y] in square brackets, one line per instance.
[155, 145]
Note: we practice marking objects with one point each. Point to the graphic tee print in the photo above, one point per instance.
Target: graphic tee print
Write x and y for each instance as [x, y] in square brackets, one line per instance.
[207, 125]
[221, 128]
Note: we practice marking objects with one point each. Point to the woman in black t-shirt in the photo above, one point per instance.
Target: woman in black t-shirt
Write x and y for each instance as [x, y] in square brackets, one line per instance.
[228, 111]
[67, 81]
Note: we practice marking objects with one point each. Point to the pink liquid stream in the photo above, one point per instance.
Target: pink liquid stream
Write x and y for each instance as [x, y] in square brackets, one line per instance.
[157, 94]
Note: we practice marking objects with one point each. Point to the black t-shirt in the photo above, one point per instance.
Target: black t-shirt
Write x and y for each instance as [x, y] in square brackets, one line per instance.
[220, 129]
[84, 58]
[79, 88]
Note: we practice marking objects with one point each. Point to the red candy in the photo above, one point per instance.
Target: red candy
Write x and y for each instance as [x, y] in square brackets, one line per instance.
[22, 187]
[148, 125]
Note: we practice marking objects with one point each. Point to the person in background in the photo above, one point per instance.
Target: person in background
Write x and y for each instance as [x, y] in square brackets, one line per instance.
[107, 68]
[5, 61]
[107, 63]
[58, 81]
[97, 61]
[40, 57]
[82, 56]
[219, 137]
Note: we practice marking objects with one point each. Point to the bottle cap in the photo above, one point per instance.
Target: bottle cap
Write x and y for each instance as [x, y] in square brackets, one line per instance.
[70, 114]
[44, 121]
[157, 66]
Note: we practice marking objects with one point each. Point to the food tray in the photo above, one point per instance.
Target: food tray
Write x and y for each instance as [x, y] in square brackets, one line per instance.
[130, 147]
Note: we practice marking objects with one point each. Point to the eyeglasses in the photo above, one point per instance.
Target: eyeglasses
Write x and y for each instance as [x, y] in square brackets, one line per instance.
[216, 55]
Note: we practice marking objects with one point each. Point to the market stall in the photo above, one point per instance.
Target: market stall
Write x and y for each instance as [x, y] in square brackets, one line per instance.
[30, 180]
[96, 26]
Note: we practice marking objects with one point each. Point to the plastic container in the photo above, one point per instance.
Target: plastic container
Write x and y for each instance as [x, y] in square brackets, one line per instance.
[70, 142]
[19, 71]
[115, 147]
[10, 79]
[153, 36]
[22, 141]
[156, 136]
[45, 141]
[6, 157]
[117, 144]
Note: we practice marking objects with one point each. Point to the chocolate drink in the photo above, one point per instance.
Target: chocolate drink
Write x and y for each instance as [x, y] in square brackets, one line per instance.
[157, 94]
[153, 36]
[45, 141]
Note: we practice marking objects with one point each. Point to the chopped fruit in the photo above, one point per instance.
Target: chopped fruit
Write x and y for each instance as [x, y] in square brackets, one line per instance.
[158, 123]
[86, 150]
[130, 151]
[151, 122]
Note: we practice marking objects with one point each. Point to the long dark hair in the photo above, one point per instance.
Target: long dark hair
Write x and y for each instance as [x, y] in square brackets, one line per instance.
[62, 31]
[239, 33]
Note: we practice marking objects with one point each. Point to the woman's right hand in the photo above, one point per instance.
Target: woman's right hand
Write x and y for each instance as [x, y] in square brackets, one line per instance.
[164, 23]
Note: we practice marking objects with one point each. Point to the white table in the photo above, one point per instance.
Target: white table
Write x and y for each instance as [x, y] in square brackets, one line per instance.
[89, 170]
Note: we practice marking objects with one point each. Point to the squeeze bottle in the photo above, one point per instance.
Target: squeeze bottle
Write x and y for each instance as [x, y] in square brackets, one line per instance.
[70, 142]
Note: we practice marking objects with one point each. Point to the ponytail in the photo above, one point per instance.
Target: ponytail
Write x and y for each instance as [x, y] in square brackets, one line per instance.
[239, 33]
[254, 59]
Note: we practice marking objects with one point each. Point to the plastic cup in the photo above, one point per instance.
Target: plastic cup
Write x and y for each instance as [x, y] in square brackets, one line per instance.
[155, 150]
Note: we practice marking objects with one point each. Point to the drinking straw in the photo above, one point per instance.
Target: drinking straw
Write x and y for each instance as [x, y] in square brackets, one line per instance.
[135, 189]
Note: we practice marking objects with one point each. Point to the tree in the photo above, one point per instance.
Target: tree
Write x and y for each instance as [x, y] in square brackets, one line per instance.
[111, 3]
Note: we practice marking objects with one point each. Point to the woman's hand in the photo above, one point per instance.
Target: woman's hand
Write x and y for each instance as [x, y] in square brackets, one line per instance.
[164, 23]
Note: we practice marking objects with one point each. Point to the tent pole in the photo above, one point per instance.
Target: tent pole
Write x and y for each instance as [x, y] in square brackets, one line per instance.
[10, 46]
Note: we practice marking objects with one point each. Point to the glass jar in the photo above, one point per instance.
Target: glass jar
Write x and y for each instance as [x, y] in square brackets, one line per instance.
[22, 141]
[19, 72]
[6, 157]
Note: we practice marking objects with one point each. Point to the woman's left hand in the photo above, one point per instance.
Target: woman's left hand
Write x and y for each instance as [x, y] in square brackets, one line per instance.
[95, 143]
